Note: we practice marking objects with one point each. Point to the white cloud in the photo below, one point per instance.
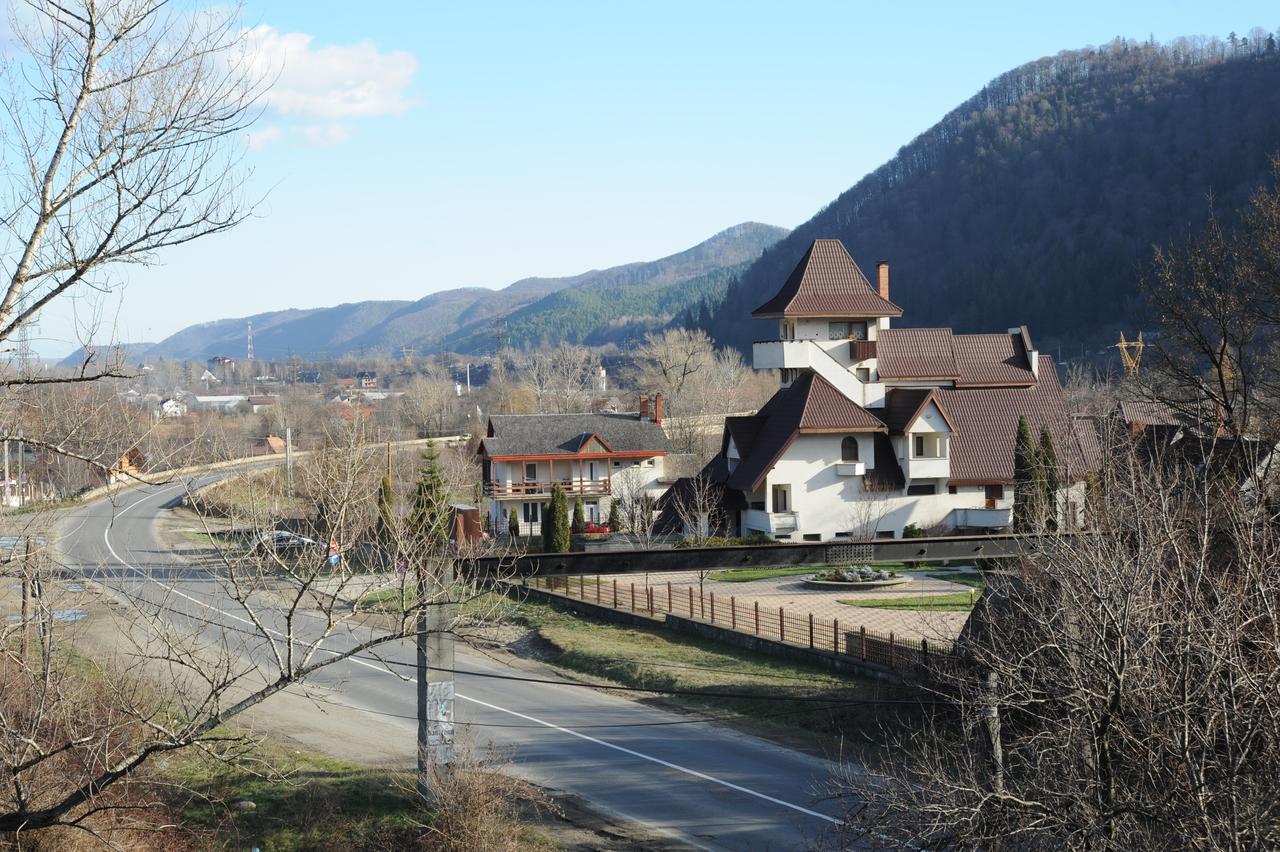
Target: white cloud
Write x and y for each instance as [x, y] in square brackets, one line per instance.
[329, 134]
[259, 139]
[331, 81]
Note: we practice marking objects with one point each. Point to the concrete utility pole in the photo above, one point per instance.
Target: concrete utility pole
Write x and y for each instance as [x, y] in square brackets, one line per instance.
[435, 655]
[288, 460]
[20, 455]
[6, 473]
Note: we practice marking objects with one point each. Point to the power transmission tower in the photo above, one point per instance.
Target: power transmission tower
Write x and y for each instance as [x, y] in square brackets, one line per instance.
[1131, 354]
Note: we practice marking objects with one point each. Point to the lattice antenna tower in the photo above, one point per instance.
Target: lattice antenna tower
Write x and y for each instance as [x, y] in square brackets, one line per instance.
[249, 348]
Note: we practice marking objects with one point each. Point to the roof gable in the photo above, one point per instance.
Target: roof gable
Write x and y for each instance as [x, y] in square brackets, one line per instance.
[827, 283]
[810, 405]
[904, 406]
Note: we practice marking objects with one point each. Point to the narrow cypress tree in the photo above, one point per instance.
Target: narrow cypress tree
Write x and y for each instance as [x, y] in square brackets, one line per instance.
[555, 522]
[513, 523]
[615, 516]
[579, 516]
[385, 529]
[548, 521]
[1049, 479]
[429, 518]
[1025, 488]
[560, 540]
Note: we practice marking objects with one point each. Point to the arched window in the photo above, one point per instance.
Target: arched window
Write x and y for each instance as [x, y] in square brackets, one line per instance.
[849, 449]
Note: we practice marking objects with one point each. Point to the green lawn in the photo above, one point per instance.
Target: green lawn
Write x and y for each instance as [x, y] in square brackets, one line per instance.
[958, 602]
[666, 660]
[976, 581]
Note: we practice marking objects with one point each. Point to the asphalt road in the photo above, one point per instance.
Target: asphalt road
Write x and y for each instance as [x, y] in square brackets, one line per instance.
[704, 784]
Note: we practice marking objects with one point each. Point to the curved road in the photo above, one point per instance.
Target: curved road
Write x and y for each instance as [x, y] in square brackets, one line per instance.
[702, 784]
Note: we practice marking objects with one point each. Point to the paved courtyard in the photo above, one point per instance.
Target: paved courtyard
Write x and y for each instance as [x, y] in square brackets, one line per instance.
[797, 600]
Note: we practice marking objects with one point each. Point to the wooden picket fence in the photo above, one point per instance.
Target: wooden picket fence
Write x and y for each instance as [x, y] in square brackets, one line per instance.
[803, 629]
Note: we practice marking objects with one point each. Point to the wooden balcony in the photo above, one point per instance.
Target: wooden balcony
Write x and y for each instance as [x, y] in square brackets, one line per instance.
[572, 487]
[861, 350]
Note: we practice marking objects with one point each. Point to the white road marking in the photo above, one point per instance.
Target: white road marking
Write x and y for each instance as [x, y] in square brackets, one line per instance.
[632, 752]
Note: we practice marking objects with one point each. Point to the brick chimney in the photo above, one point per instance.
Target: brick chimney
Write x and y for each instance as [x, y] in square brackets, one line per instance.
[882, 279]
[645, 413]
[658, 405]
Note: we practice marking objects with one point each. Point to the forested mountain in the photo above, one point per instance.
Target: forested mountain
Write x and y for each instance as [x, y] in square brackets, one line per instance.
[609, 305]
[1038, 200]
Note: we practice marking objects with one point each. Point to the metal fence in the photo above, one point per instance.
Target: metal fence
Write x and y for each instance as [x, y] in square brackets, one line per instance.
[801, 629]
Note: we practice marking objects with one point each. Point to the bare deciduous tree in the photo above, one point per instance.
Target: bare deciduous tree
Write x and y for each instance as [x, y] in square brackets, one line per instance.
[1119, 690]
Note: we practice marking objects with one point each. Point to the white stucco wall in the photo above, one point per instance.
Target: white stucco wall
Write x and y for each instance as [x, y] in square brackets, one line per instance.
[826, 503]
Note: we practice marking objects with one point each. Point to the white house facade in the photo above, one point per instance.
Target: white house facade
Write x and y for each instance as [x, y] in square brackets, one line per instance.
[876, 429]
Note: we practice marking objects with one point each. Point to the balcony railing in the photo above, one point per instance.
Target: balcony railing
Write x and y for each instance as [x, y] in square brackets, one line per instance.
[771, 522]
[529, 488]
[983, 519]
[861, 350]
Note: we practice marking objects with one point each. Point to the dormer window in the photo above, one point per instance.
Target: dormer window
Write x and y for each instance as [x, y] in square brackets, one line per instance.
[853, 330]
[849, 449]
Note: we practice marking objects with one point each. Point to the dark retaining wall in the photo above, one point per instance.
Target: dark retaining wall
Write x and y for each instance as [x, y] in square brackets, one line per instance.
[757, 556]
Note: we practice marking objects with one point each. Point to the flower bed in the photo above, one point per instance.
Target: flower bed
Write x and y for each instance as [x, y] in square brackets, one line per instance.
[856, 577]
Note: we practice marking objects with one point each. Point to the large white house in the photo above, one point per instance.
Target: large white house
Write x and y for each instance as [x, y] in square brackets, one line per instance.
[875, 428]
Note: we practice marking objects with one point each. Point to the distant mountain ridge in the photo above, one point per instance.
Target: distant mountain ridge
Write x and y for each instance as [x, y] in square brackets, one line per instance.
[640, 296]
[1038, 200]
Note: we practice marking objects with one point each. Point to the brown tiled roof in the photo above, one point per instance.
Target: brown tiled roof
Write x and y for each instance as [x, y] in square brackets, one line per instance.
[809, 405]
[903, 405]
[1089, 437]
[992, 359]
[828, 410]
[916, 353]
[1146, 413]
[827, 283]
[973, 360]
[986, 425]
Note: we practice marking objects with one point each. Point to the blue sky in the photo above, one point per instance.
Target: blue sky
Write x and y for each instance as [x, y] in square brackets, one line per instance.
[414, 147]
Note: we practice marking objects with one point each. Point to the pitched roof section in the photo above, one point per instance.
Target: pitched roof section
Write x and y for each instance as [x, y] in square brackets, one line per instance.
[916, 353]
[985, 360]
[969, 360]
[565, 434]
[986, 425]
[1137, 412]
[827, 283]
[809, 405]
[828, 410]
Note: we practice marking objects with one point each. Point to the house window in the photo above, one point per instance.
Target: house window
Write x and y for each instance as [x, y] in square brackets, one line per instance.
[849, 449]
[530, 471]
[919, 450]
[847, 330]
[592, 511]
[995, 492]
[921, 490]
[863, 374]
[951, 489]
[813, 536]
[532, 512]
[781, 498]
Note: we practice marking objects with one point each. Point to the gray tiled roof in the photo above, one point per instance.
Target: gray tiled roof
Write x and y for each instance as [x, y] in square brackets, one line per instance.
[563, 434]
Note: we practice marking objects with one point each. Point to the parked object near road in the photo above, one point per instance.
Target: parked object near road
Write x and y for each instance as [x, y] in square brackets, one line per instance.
[281, 543]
